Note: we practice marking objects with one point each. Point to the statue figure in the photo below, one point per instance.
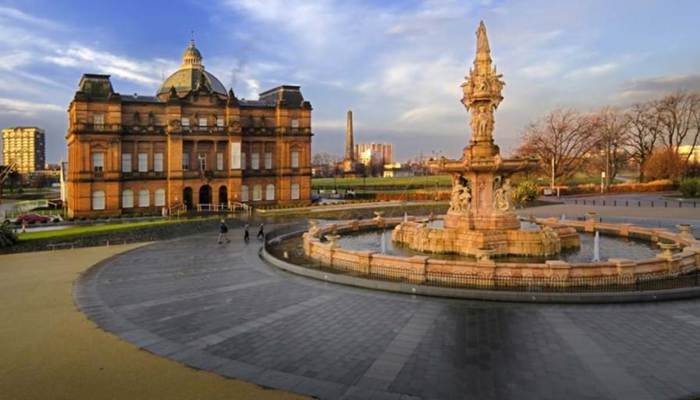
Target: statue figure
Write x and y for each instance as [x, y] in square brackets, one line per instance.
[460, 199]
[501, 197]
[483, 123]
[465, 199]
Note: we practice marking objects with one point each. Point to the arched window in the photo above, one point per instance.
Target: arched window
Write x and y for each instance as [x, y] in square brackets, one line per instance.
[270, 192]
[295, 191]
[144, 198]
[244, 193]
[127, 199]
[159, 198]
[98, 200]
[257, 193]
[294, 158]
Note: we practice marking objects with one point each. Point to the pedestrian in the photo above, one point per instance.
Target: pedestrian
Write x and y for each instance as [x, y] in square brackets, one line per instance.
[223, 232]
[246, 234]
[261, 233]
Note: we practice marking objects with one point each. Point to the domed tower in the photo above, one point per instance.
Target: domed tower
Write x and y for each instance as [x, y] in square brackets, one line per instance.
[191, 76]
[192, 57]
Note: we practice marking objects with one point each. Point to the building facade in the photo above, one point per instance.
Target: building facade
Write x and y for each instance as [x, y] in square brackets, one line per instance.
[192, 145]
[26, 146]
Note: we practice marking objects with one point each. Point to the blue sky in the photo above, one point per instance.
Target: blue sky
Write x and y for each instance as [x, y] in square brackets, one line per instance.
[397, 64]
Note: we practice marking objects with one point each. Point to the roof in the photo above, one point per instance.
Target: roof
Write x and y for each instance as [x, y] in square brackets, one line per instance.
[289, 94]
[187, 79]
[135, 98]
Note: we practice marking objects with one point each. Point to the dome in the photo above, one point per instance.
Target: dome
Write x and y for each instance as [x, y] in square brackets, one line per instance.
[191, 75]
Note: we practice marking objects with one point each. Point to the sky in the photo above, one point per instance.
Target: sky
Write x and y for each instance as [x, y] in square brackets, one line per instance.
[397, 64]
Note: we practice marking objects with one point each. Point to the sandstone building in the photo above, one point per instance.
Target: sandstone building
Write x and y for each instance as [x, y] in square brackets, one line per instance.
[193, 144]
[25, 146]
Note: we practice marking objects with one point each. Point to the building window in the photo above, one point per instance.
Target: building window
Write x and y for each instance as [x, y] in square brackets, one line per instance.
[98, 200]
[159, 198]
[295, 191]
[144, 198]
[295, 123]
[202, 158]
[244, 193]
[255, 161]
[257, 193]
[220, 122]
[295, 158]
[270, 192]
[158, 162]
[143, 162]
[185, 122]
[99, 121]
[98, 162]
[202, 122]
[185, 161]
[219, 161]
[126, 162]
[235, 155]
[127, 199]
[268, 160]
[243, 161]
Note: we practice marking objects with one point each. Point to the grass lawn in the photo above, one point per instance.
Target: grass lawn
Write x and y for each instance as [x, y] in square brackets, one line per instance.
[98, 228]
[399, 183]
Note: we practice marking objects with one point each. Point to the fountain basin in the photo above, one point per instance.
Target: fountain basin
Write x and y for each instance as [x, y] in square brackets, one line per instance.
[487, 271]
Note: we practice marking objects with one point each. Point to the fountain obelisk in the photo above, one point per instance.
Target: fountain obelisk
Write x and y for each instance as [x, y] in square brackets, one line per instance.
[481, 218]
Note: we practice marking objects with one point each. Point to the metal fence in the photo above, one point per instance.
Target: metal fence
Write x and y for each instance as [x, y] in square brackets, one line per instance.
[634, 203]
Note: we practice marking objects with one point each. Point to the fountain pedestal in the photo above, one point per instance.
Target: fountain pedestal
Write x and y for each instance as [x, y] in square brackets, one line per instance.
[481, 214]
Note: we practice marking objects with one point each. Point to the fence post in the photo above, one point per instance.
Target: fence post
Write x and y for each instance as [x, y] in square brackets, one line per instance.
[637, 284]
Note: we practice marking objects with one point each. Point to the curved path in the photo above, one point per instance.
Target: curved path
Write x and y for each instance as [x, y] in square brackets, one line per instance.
[220, 308]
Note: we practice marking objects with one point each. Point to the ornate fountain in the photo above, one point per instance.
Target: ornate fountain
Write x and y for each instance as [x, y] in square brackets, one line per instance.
[481, 220]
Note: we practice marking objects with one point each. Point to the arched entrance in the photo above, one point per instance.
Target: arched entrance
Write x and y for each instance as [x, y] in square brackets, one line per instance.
[205, 194]
[187, 198]
[223, 196]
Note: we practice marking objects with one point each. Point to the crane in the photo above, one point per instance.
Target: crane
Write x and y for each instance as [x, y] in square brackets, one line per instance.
[5, 174]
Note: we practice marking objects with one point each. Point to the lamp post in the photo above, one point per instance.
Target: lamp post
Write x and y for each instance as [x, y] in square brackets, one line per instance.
[602, 181]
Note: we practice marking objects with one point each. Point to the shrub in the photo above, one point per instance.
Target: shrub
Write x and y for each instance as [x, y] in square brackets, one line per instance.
[7, 236]
[690, 187]
[525, 192]
[664, 164]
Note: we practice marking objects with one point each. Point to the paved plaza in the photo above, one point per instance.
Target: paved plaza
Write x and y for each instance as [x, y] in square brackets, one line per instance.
[220, 308]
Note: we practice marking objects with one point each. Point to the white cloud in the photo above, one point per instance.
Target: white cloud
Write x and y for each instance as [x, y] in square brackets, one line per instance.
[26, 108]
[545, 69]
[593, 70]
[20, 16]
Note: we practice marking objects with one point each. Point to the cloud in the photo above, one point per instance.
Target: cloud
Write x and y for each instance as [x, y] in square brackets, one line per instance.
[593, 70]
[26, 108]
[146, 73]
[540, 70]
[20, 16]
[642, 89]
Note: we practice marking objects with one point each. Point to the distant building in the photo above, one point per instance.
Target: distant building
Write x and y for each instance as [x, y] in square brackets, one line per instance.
[694, 153]
[25, 146]
[374, 156]
[396, 170]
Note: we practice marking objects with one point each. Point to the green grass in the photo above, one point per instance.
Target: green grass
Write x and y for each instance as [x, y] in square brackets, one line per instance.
[96, 229]
[399, 183]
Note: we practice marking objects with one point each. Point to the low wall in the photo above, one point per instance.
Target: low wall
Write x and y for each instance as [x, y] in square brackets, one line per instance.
[489, 272]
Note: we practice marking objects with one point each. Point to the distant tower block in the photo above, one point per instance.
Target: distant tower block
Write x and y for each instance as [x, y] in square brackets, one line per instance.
[350, 166]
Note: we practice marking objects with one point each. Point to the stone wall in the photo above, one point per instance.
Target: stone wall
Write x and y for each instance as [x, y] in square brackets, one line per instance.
[487, 272]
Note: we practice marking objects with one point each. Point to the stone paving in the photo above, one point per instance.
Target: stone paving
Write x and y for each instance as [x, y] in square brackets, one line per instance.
[220, 308]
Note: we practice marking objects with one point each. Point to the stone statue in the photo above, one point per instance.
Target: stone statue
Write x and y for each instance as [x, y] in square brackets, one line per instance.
[501, 197]
[460, 199]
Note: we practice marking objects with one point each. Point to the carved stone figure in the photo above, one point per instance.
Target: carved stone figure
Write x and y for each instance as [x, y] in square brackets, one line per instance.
[501, 197]
[460, 199]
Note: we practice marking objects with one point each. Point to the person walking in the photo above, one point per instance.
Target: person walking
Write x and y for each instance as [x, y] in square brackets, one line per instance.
[246, 233]
[261, 232]
[223, 232]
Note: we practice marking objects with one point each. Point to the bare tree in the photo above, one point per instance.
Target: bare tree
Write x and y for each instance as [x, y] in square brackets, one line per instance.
[611, 136]
[679, 124]
[562, 140]
[643, 133]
